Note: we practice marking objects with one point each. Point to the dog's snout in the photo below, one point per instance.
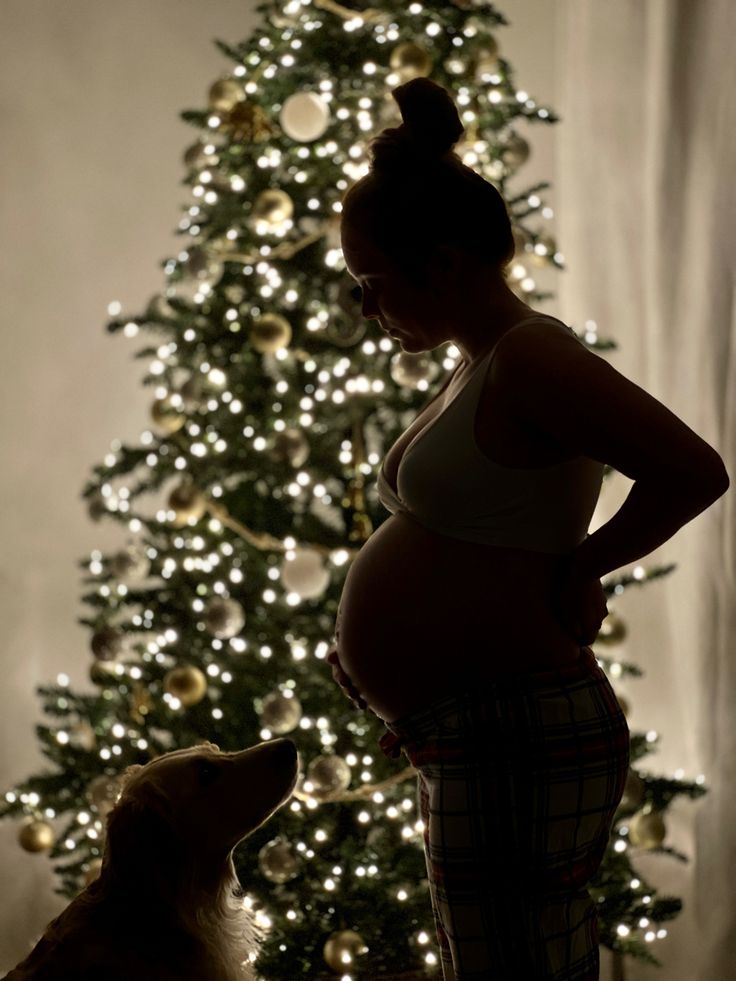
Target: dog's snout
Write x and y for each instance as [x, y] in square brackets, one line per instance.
[287, 746]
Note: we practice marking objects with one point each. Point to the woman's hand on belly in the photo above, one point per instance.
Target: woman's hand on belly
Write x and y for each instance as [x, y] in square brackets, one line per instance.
[580, 603]
[343, 679]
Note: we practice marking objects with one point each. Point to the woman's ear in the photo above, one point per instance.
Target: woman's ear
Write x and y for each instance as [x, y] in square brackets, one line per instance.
[445, 267]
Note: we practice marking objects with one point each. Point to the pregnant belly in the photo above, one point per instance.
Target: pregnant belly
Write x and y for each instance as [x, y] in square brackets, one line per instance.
[422, 615]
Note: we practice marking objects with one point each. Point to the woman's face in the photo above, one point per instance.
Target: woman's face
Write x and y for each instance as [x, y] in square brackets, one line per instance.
[410, 312]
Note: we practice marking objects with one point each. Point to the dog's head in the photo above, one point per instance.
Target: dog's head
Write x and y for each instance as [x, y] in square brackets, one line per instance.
[195, 802]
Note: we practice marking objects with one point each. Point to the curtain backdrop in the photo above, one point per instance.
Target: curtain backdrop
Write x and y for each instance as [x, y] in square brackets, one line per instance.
[647, 225]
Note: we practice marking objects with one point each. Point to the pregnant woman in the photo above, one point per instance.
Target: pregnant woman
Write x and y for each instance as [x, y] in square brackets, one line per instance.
[465, 620]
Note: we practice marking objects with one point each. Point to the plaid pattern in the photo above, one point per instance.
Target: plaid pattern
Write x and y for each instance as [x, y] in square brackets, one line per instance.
[518, 782]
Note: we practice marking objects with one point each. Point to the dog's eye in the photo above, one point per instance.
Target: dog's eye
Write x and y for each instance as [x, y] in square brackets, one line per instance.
[357, 293]
[207, 771]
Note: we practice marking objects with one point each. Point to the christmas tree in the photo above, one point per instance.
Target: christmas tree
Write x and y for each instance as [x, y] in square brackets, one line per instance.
[241, 508]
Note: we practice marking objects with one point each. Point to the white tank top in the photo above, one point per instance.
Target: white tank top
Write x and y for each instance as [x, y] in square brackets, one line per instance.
[446, 483]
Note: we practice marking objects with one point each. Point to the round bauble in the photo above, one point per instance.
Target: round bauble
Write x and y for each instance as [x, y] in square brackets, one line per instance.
[187, 683]
[342, 948]
[647, 830]
[279, 713]
[196, 158]
[305, 573]
[304, 116]
[203, 267]
[328, 775]
[633, 790]
[36, 836]
[103, 792]
[278, 861]
[290, 446]
[187, 503]
[410, 60]
[514, 151]
[272, 207]
[269, 333]
[410, 370]
[224, 94]
[223, 617]
[107, 643]
[166, 417]
[130, 564]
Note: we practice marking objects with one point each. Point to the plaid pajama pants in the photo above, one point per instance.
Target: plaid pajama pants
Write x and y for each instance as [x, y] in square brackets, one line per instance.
[517, 786]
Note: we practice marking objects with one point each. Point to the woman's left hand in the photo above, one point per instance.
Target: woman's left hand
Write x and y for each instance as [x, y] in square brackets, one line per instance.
[343, 679]
[580, 603]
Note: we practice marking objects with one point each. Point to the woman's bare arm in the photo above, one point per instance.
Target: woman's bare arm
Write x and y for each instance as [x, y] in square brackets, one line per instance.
[558, 386]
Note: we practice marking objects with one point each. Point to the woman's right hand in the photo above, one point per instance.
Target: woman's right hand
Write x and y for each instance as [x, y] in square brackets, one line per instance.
[344, 680]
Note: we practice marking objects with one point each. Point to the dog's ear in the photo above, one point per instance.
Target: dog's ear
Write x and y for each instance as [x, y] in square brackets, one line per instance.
[140, 838]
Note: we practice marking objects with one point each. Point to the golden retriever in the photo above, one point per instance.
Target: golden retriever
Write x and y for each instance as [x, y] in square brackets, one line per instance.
[165, 906]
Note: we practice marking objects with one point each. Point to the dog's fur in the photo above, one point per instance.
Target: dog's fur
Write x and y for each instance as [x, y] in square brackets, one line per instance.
[165, 906]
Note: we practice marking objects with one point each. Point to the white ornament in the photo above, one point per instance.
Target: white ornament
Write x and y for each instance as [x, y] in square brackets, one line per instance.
[304, 116]
[305, 574]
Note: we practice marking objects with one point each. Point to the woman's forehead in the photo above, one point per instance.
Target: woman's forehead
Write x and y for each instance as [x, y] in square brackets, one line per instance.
[361, 256]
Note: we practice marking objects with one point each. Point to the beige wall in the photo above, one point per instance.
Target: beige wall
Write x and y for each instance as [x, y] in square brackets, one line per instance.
[90, 171]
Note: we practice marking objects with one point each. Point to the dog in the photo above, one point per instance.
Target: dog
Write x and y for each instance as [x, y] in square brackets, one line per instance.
[167, 904]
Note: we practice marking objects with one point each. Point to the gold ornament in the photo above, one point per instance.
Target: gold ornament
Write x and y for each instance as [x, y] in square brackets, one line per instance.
[225, 94]
[647, 829]
[130, 563]
[272, 207]
[203, 266]
[409, 370]
[166, 417]
[247, 123]
[103, 792]
[409, 60]
[269, 333]
[187, 683]
[328, 775]
[341, 949]
[514, 151]
[106, 643]
[280, 714]
[290, 446]
[613, 630]
[187, 503]
[36, 836]
[278, 861]
[633, 791]
[223, 617]
[196, 158]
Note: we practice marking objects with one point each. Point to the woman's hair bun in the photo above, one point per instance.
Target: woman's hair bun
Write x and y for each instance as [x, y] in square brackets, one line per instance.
[431, 127]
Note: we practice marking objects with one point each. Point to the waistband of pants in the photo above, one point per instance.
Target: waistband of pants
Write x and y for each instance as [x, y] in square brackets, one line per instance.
[422, 719]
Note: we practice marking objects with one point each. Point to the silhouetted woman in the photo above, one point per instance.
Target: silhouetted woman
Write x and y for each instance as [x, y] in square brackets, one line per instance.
[465, 619]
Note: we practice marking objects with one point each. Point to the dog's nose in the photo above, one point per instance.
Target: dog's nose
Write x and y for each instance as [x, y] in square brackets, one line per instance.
[286, 746]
